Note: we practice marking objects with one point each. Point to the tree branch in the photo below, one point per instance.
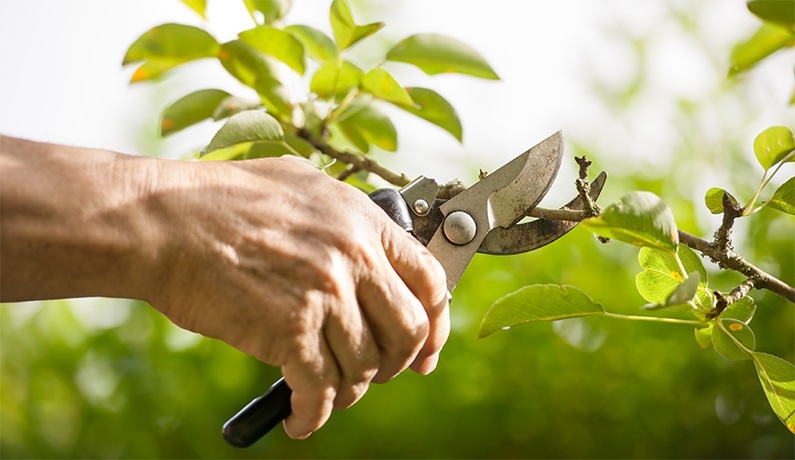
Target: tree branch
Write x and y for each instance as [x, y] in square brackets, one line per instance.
[356, 161]
[730, 260]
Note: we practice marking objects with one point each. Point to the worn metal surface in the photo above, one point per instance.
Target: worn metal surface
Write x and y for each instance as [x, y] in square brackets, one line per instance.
[500, 199]
[529, 236]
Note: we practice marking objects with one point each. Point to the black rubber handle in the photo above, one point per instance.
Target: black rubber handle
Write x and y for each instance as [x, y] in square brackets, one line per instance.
[259, 416]
[265, 412]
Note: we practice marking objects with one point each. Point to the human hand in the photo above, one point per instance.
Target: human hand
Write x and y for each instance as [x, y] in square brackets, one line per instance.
[301, 271]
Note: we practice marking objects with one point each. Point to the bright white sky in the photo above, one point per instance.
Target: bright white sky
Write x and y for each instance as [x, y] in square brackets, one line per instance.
[62, 80]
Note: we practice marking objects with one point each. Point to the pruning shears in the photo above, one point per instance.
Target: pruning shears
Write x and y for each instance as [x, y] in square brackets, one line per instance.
[483, 218]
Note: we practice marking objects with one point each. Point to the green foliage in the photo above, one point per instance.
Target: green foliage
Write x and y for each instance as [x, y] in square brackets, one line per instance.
[784, 197]
[714, 200]
[774, 145]
[639, 218]
[167, 46]
[341, 108]
[435, 54]
[538, 303]
[664, 274]
[778, 380]
[191, 109]
[248, 126]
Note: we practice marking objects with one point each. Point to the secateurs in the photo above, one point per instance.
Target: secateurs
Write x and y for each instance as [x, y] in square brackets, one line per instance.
[483, 218]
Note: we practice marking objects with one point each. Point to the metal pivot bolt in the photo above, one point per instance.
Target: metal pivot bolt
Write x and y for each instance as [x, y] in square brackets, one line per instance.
[421, 207]
[460, 228]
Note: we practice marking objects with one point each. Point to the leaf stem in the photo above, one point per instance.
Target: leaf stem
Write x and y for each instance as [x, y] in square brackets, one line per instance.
[681, 265]
[655, 319]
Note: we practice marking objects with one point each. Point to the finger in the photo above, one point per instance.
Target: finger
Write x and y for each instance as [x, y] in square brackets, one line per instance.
[426, 279]
[354, 349]
[314, 378]
[396, 318]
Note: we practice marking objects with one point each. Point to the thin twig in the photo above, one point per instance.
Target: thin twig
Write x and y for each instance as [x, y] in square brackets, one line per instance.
[358, 161]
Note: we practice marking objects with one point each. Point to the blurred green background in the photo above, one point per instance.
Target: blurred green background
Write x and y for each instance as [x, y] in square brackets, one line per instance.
[105, 378]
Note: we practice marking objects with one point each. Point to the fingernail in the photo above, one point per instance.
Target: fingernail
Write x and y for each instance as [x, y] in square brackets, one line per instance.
[449, 296]
[429, 365]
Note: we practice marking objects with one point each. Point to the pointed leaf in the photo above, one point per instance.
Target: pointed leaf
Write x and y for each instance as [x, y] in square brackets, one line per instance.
[318, 45]
[191, 109]
[383, 85]
[743, 310]
[167, 46]
[346, 32]
[778, 380]
[714, 200]
[768, 39]
[734, 340]
[435, 54]
[704, 336]
[640, 218]
[245, 63]
[431, 106]
[249, 126]
[334, 78]
[784, 198]
[199, 6]
[363, 125]
[780, 12]
[661, 276]
[772, 145]
[548, 302]
[277, 43]
[234, 104]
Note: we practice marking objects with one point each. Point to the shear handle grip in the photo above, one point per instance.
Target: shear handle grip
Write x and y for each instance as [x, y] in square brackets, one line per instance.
[265, 412]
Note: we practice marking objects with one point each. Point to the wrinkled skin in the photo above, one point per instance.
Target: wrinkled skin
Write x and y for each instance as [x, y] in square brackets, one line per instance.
[271, 256]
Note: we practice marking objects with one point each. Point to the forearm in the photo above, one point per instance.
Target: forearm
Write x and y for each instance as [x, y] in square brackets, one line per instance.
[74, 222]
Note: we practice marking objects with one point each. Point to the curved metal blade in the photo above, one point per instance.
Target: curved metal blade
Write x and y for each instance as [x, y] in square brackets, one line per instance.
[533, 235]
[499, 200]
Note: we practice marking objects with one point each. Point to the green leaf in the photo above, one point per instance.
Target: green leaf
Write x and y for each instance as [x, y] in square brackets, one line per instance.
[248, 126]
[743, 310]
[191, 109]
[683, 293]
[346, 32]
[539, 302]
[383, 85]
[640, 218]
[363, 124]
[778, 380]
[765, 41]
[277, 43]
[661, 274]
[734, 340]
[435, 54]
[167, 46]
[272, 10]
[431, 106]
[784, 197]
[780, 12]
[772, 145]
[234, 104]
[199, 6]
[318, 45]
[334, 78]
[704, 336]
[245, 63]
[714, 200]
[274, 97]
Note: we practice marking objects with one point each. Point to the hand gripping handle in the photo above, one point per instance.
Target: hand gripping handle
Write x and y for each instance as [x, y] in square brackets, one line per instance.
[265, 412]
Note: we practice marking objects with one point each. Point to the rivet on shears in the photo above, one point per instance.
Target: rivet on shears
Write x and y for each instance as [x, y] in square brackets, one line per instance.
[460, 228]
[421, 207]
